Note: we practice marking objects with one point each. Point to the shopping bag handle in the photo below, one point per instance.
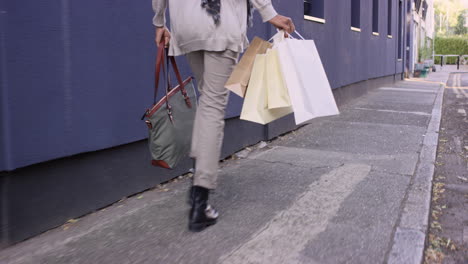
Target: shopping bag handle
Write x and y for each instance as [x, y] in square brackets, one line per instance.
[297, 33]
[281, 33]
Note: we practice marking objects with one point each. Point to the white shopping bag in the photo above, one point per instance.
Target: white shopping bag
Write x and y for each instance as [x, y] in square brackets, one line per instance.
[306, 80]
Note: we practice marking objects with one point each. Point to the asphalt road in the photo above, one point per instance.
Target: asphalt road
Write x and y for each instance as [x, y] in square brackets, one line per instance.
[448, 236]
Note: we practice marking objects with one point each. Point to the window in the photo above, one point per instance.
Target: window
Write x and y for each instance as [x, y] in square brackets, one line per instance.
[424, 12]
[389, 23]
[375, 17]
[356, 15]
[417, 4]
[314, 10]
[400, 17]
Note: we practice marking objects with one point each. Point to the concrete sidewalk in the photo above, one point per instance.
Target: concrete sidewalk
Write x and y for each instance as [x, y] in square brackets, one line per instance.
[353, 188]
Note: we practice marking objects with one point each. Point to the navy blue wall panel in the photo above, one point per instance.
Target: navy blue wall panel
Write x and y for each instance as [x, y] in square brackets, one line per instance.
[80, 72]
[34, 46]
[3, 91]
[350, 56]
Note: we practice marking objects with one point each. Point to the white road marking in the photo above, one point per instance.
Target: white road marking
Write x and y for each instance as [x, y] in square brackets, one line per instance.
[393, 111]
[460, 92]
[283, 238]
[454, 83]
[408, 90]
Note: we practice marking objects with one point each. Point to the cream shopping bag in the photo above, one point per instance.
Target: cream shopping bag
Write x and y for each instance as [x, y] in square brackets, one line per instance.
[239, 79]
[278, 95]
[255, 108]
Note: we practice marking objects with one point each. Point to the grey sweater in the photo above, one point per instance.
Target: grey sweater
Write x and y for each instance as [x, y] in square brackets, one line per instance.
[192, 28]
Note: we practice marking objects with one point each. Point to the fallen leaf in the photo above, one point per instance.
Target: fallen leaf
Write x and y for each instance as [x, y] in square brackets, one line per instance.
[72, 221]
[463, 178]
[139, 197]
[434, 256]
[436, 225]
[453, 247]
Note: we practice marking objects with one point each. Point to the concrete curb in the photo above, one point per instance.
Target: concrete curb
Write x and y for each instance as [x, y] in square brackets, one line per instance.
[410, 234]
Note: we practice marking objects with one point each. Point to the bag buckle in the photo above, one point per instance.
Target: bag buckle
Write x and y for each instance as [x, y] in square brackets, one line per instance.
[169, 113]
[187, 99]
[148, 123]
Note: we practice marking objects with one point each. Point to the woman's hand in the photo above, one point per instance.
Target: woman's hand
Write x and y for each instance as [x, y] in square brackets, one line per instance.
[163, 35]
[284, 23]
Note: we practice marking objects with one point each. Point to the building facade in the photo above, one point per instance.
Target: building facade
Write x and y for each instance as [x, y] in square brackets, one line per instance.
[423, 29]
[76, 76]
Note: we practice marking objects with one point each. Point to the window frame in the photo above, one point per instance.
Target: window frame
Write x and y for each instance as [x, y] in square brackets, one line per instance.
[354, 17]
[389, 19]
[400, 31]
[375, 17]
[313, 18]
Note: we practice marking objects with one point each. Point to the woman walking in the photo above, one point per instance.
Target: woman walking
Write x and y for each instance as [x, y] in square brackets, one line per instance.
[212, 34]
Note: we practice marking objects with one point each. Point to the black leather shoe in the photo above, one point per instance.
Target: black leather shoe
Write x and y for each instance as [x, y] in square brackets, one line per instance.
[202, 215]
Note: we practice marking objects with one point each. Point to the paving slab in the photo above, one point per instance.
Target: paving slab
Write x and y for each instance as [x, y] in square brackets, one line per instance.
[398, 101]
[357, 137]
[403, 164]
[391, 117]
[403, 95]
[427, 86]
[401, 107]
[362, 213]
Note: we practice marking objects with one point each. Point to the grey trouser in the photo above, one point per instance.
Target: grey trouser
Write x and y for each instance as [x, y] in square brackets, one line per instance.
[212, 70]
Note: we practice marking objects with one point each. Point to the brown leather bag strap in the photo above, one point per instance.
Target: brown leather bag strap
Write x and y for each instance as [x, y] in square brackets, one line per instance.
[159, 63]
[176, 71]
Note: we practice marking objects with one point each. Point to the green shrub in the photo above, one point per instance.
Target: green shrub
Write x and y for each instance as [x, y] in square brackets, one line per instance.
[451, 46]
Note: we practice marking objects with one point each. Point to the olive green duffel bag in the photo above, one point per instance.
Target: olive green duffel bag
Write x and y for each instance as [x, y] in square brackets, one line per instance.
[170, 120]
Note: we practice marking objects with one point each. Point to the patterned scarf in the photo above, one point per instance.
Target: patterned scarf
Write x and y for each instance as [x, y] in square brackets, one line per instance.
[213, 7]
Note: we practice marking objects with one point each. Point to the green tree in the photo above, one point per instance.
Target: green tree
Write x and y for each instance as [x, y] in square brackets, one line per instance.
[446, 15]
[460, 28]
